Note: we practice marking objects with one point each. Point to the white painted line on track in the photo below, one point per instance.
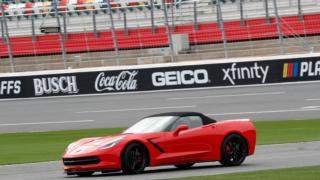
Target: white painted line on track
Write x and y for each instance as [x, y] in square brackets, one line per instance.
[42, 123]
[229, 95]
[318, 99]
[311, 107]
[136, 109]
[263, 112]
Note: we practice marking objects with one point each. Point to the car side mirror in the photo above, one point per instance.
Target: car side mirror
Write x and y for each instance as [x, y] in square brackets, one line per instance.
[179, 129]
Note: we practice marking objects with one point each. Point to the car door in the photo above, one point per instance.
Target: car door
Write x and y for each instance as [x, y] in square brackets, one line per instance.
[188, 145]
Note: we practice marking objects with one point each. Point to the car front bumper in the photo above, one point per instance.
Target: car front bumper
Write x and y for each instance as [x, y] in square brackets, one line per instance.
[93, 162]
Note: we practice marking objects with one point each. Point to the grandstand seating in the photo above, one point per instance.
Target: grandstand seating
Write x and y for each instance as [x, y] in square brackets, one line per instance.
[78, 6]
[144, 38]
[40, 7]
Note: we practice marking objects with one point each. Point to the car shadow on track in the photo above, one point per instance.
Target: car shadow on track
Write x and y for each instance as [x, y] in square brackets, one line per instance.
[160, 171]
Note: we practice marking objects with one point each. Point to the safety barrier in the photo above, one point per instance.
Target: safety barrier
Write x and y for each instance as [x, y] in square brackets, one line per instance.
[210, 73]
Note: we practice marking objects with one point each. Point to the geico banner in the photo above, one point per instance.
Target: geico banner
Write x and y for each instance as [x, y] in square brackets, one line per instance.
[162, 78]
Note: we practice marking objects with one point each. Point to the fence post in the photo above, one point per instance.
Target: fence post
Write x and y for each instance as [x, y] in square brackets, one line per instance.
[7, 38]
[2, 30]
[65, 32]
[242, 22]
[152, 16]
[278, 26]
[266, 7]
[218, 15]
[195, 15]
[173, 27]
[300, 15]
[63, 51]
[164, 7]
[125, 21]
[94, 23]
[34, 38]
[114, 36]
[221, 25]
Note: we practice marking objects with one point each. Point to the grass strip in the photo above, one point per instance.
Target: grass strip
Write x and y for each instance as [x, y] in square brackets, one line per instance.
[287, 131]
[301, 173]
[42, 146]
[46, 146]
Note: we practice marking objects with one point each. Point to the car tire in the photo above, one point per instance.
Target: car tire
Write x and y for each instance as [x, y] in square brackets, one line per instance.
[84, 174]
[234, 150]
[184, 166]
[134, 159]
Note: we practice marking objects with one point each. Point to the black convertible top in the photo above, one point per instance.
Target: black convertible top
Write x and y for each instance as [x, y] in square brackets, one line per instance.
[206, 120]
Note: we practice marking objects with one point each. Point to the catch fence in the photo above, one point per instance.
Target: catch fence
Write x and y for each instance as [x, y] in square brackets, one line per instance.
[67, 34]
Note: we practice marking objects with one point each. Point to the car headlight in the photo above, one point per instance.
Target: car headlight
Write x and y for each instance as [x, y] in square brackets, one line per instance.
[112, 143]
[71, 146]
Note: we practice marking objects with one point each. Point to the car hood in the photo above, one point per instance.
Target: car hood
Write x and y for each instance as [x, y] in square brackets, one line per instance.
[88, 145]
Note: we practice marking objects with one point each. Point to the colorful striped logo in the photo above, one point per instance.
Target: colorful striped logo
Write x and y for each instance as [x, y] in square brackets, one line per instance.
[290, 70]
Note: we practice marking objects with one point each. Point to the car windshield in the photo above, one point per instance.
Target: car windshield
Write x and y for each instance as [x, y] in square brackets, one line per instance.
[151, 124]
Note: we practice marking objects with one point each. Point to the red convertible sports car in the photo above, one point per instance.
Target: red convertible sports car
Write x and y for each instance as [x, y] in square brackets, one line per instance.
[176, 138]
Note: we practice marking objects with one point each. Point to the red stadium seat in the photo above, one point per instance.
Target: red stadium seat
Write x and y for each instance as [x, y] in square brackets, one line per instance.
[144, 38]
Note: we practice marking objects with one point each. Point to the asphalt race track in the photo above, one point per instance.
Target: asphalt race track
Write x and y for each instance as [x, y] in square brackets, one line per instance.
[266, 157]
[281, 101]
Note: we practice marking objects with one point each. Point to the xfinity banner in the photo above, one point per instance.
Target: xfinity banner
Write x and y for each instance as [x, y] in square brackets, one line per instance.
[161, 78]
[236, 72]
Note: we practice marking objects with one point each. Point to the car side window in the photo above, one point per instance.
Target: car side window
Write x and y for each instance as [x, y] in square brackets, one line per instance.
[191, 121]
[179, 122]
[195, 121]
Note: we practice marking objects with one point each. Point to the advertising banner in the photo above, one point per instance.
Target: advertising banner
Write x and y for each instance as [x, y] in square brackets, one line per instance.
[162, 78]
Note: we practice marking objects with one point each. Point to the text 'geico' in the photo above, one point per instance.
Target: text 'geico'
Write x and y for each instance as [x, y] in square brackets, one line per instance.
[185, 77]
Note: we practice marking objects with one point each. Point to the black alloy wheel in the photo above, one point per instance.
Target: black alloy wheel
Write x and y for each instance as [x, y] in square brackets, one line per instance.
[84, 174]
[233, 151]
[184, 166]
[134, 159]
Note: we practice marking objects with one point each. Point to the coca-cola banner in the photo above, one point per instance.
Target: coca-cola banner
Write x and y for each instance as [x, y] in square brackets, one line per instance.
[123, 81]
[162, 78]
